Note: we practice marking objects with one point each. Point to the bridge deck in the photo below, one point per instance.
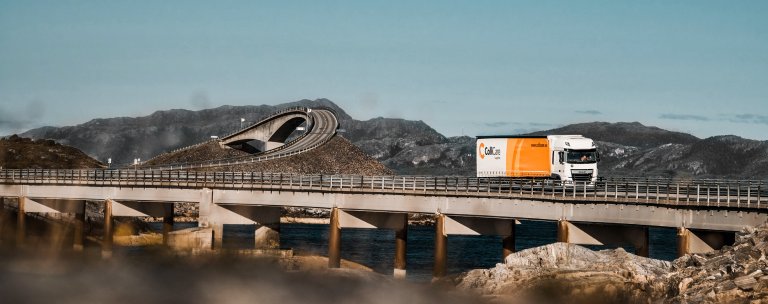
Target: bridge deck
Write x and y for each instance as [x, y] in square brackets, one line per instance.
[695, 204]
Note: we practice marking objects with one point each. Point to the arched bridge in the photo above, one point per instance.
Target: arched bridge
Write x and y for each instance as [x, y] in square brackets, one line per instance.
[270, 137]
[273, 132]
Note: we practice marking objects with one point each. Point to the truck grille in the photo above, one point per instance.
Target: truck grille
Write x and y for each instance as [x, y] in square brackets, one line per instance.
[581, 175]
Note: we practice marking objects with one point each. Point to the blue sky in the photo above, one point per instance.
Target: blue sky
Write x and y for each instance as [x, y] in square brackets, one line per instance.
[464, 67]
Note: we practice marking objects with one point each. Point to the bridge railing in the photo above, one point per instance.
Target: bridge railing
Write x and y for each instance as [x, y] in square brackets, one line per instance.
[735, 195]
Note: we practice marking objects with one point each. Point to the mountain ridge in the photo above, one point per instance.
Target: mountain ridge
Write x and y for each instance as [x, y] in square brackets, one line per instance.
[414, 147]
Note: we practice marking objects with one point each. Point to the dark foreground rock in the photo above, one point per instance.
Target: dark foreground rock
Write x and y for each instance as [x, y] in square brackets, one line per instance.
[205, 279]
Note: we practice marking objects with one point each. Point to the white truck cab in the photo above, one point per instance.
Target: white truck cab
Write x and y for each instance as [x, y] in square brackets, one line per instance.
[573, 157]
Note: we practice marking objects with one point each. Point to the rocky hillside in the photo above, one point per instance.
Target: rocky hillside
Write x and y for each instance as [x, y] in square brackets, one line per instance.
[24, 153]
[338, 156]
[567, 273]
[413, 147]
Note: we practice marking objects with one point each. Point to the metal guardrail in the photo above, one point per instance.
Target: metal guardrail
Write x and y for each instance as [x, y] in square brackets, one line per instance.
[732, 195]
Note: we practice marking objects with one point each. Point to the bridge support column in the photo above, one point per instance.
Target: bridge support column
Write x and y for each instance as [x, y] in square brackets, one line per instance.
[106, 244]
[3, 220]
[508, 243]
[562, 231]
[380, 220]
[600, 234]
[334, 240]
[218, 236]
[267, 234]
[401, 238]
[643, 248]
[21, 224]
[79, 229]
[441, 248]
[167, 221]
[701, 241]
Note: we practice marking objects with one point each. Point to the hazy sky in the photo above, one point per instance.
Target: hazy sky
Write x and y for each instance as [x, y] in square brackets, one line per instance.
[471, 67]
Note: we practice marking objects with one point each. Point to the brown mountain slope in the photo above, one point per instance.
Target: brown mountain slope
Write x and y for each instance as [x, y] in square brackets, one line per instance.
[25, 153]
[338, 156]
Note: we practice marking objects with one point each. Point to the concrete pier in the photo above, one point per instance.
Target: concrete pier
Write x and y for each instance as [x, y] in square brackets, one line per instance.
[334, 240]
[508, 243]
[218, 235]
[106, 244]
[401, 238]
[562, 231]
[642, 248]
[21, 225]
[601, 234]
[167, 222]
[267, 232]
[4, 219]
[79, 229]
[441, 248]
[701, 241]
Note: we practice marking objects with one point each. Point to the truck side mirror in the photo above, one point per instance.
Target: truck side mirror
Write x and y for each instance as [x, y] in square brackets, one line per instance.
[597, 156]
[561, 155]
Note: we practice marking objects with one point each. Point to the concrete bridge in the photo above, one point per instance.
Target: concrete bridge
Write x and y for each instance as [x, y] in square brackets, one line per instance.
[619, 212]
[269, 138]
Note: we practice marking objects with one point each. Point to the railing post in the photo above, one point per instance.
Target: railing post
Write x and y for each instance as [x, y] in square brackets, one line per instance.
[718, 194]
[698, 194]
[574, 188]
[708, 194]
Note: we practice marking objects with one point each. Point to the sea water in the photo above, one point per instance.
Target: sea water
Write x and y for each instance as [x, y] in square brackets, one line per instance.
[375, 248]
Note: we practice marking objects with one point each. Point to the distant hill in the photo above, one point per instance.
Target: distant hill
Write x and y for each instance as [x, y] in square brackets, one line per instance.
[624, 133]
[25, 153]
[413, 147]
[126, 138]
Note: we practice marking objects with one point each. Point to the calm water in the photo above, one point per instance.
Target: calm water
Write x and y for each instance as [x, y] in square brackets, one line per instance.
[375, 247]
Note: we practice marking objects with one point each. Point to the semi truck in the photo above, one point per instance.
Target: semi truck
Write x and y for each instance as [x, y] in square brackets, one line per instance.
[568, 158]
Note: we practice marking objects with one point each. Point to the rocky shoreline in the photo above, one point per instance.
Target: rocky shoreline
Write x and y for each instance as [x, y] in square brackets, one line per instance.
[570, 273]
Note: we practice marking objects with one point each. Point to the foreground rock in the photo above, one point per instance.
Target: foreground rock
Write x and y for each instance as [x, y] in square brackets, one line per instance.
[567, 272]
[734, 274]
[570, 273]
[202, 279]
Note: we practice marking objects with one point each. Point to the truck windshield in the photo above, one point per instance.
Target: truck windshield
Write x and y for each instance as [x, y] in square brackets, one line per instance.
[582, 156]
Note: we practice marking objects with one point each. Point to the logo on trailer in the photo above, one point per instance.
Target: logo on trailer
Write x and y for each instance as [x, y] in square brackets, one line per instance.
[491, 151]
